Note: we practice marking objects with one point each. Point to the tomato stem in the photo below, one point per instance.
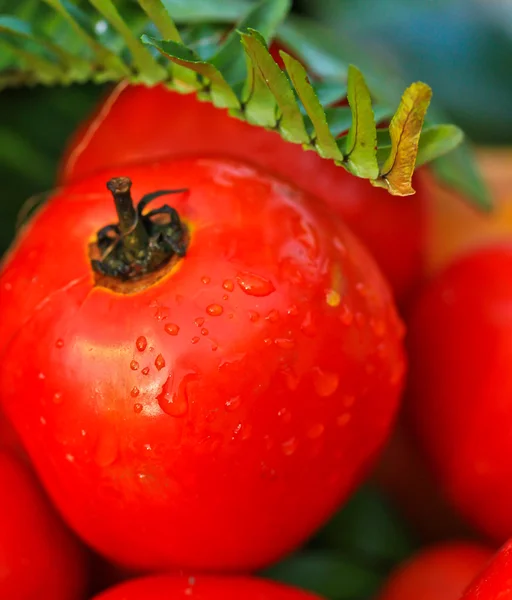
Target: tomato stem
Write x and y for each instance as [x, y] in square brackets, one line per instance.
[134, 236]
[140, 243]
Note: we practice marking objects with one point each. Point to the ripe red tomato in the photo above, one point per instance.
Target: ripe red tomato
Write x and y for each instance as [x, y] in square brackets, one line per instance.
[39, 558]
[495, 581]
[440, 572]
[460, 339]
[165, 587]
[214, 417]
[137, 124]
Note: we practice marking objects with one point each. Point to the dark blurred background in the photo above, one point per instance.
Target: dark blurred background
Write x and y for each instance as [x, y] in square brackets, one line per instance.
[462, 48]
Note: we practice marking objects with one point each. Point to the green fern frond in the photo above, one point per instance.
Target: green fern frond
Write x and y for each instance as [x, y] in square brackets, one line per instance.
[102, 40]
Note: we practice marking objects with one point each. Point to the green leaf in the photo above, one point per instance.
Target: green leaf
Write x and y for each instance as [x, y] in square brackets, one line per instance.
[329, 574]
[361, 142]
[436, 141]
[92, 41]
[369, 530]
[78, 22]
[324, 140]
[291, 122]
[405, 129]
[264, 17]
[260, 106]
[150, 72]
[221, 93]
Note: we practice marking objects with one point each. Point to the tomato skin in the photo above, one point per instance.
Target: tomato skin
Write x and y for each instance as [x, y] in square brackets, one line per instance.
[39, 558]
[440, 572]
[495, 581]
[136, 124]
[164, 587]
[460, 334]
[281, 403]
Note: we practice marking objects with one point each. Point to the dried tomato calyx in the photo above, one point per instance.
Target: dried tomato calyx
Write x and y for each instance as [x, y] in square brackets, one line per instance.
[140, 243]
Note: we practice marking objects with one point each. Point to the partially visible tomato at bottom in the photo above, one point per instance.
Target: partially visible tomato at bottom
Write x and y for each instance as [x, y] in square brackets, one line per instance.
[495, 581]
[440, 572]
[39, 557]
[167, 587]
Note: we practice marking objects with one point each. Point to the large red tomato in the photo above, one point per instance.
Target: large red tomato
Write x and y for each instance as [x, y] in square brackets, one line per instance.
[460, 339]
[136, 124]
[216, 415]
[39, 558]
[439, 572]
[165, 587]
[495, 581]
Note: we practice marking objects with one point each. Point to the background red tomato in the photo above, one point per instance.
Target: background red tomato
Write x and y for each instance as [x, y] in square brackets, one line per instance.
[203, 588]
[495, 581]
[440, 572]
[39, 558]
[460, 335]
[187, 423]
[128, 128]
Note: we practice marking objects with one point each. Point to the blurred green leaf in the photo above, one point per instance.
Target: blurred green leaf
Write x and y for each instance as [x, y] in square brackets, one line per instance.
[369, 530]
[329, 574]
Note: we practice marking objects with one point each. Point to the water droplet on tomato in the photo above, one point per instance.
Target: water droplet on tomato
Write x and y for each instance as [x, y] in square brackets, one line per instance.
[361, 289]
[237, 430]
[291, 378]
[285, 415]
[225, 297]
[195, 339]
[325, 383]
[161, 313]
[199, 322]
[233, 403]
[346, 315]
[134, 392]
[141, 343]
[159, 362]
[253, 316]
[41, 376]
[333, 298]
[145, 370]
[134, 365]
[171, 329]
[206, 280]
[290, 446]
[228, 285]
[204, 331]
[308, 326]
[343, 419]
[254, 285]
[267, 472]
[59, 343]
[284, 343]
[175, 403]
[315, 431]
[293, 310]
[137, 408]
[273, 316]
[107, 449]
[267, 341]
[348, 401]
[214, 310]
[57, 398]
